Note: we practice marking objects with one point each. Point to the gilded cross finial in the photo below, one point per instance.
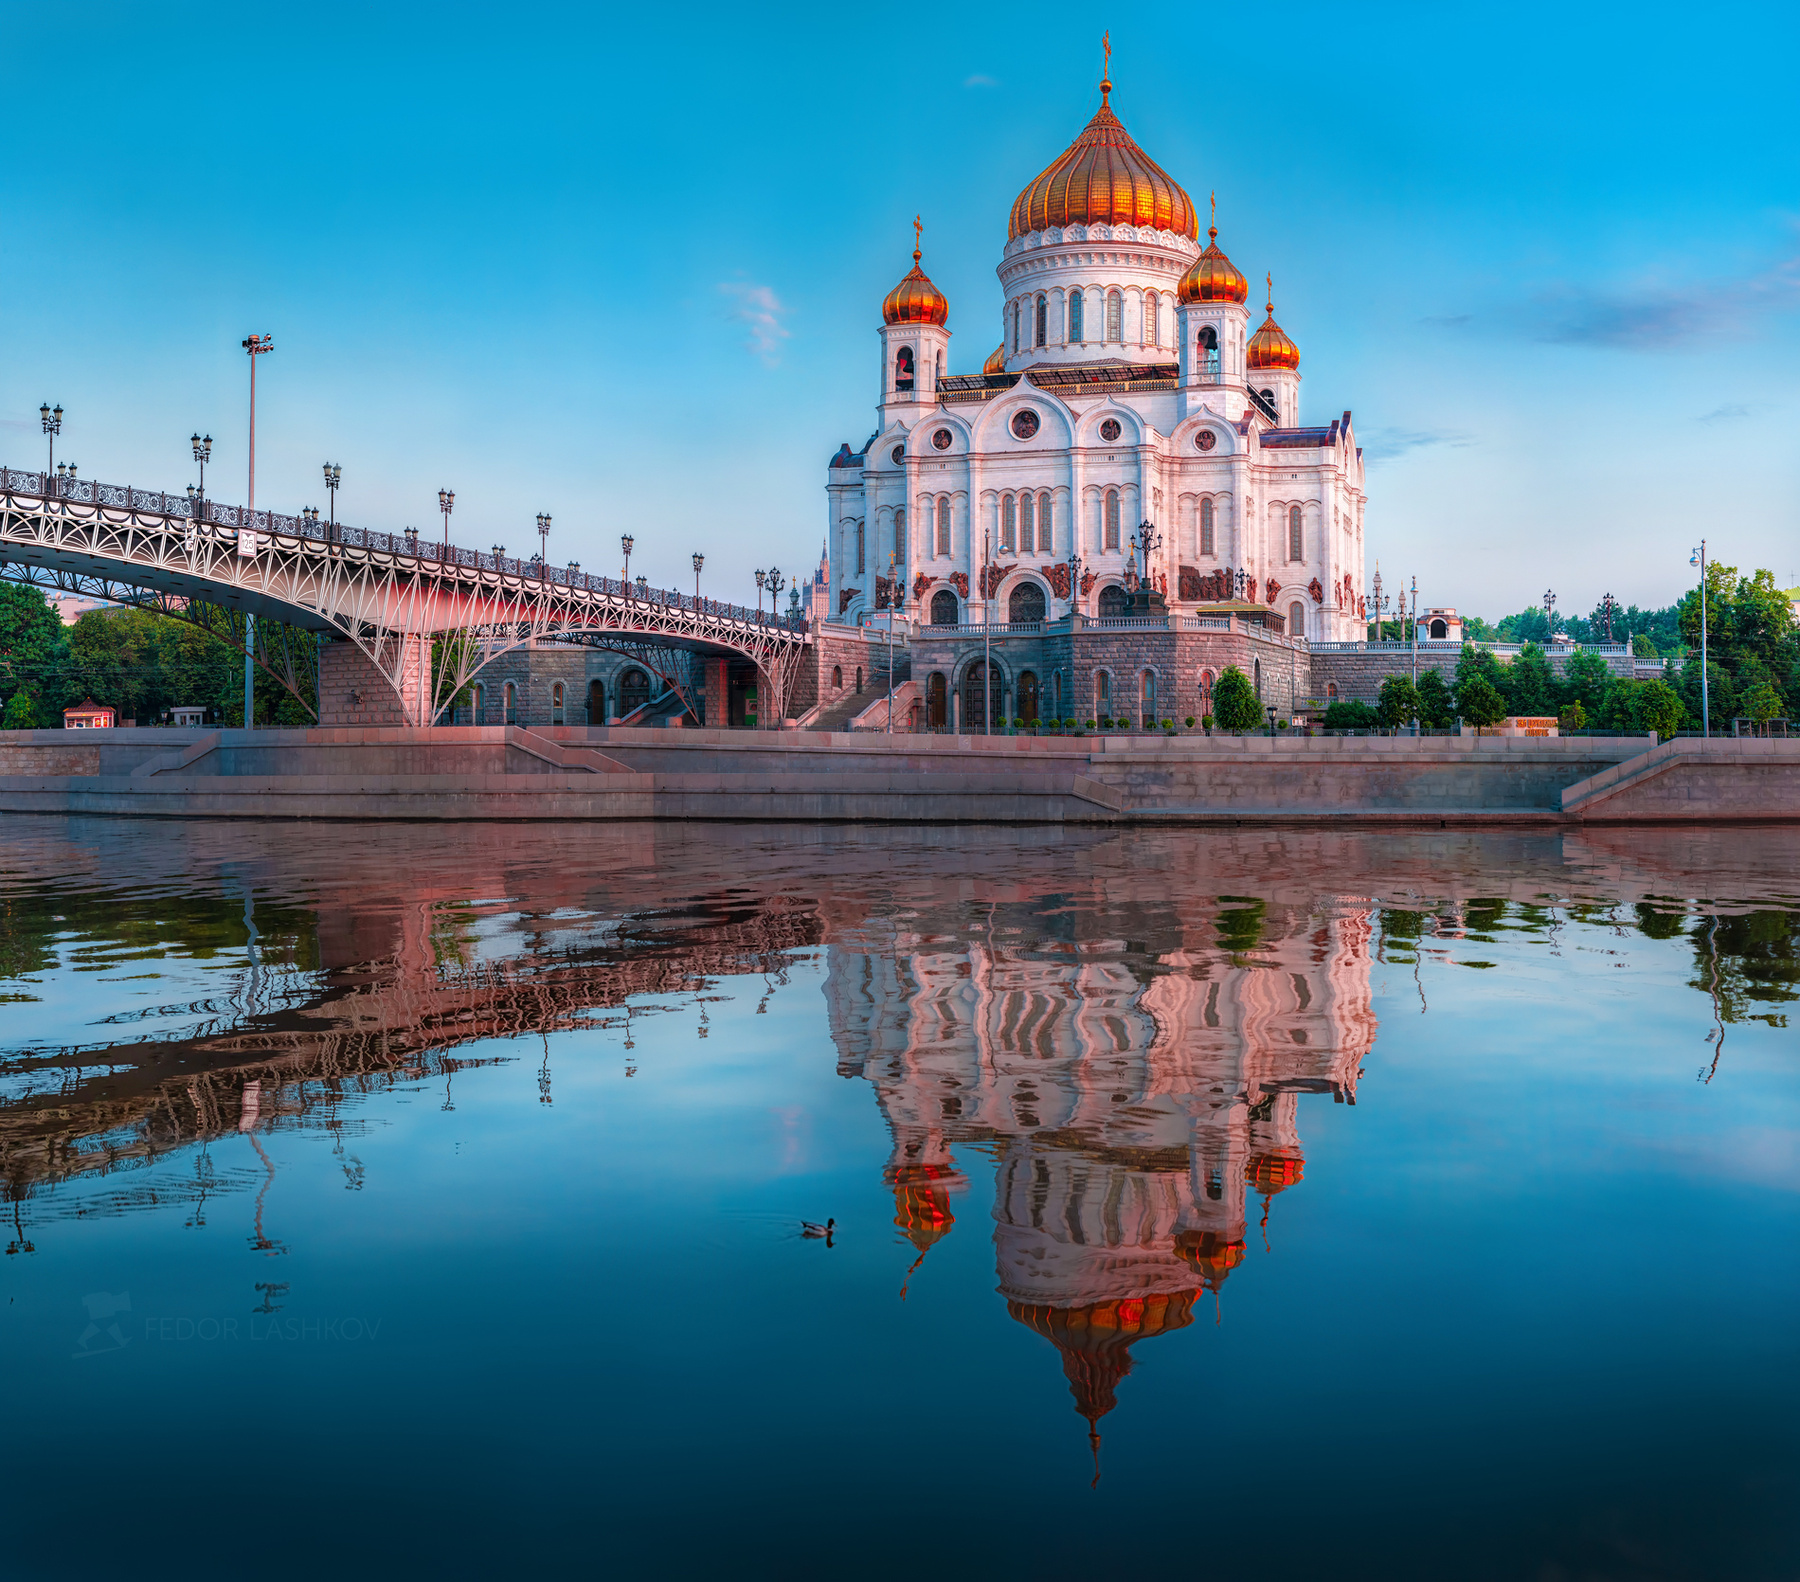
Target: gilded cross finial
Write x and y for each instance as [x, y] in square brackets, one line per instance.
[918, 229]
[1269, 281]
[1212, 231]
[1106, 70]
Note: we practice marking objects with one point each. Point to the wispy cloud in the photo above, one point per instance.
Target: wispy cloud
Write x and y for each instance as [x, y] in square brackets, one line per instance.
[1659, 315]
[1386, 444]
[1447, 321]
[761, 310]
[981, 80]
[1726, 414]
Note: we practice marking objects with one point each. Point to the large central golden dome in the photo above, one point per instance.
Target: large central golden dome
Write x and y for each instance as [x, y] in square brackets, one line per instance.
[1103, 178]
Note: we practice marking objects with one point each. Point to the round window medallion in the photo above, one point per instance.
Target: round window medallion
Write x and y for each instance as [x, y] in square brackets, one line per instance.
[1205, 439]
[1024, 423]
[1109, 430]
[899, 454]
[941, 439]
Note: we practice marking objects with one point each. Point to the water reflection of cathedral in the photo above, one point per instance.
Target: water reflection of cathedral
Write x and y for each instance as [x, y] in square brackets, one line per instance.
[1135, 1092]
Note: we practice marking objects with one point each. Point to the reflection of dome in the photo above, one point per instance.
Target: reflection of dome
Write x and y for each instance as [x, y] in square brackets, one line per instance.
[1270, 346]
[996, 363]
[915, 300]
[1103, 178]
[1212, 277]
[1096, 1339]
[1210, 1255]
[922, 1201]
[1274, 1172]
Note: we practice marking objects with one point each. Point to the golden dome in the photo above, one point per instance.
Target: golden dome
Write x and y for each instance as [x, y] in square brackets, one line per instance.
[1103, 178]
[915, 300]
[1276, 1172]
[1212, 277]
[1270, 346]
[996, 363]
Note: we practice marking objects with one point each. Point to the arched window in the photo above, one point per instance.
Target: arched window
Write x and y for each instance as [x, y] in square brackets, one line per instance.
[1296, 619]
[1043, 319]
[937, 702]
[596, 703]
[1153, 319]
[943, 526]
[859, 681]
[1046, 540]
[1440, 629]
[1026, 603]
[1257, 679]
[1110, 540]
[1027, 524]
[1115, 316]
[1296, 545]
[859, 549]
[1077, 330]
[1007, 523]
[1331, 689]
[634, 692]
[476, 699]
[1112, 601]
[943, 608]
[1103, 693]
[900, 539]
[556, 703]
[984, 695]
[1015, 337]
[1028, 697]
[837, 678]
[1206, 527]
[1206, 351]
[1147, 696]
[1206, 684]
[509, 705]
[940, 368]
[903, 369]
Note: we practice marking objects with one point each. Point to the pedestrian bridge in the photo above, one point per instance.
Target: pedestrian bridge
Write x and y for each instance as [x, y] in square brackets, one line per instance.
[428, 616]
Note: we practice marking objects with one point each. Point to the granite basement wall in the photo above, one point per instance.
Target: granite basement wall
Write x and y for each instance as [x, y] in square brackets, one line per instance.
[1359, 675]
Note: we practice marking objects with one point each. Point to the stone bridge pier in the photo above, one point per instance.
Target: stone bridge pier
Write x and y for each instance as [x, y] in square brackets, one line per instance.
[354, 691]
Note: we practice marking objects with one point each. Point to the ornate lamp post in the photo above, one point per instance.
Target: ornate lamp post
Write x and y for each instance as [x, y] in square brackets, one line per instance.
[699, 561]
[761, 575]
[1698, 558]
[1549, 614]
[543, 522]
[1415, 635]
[446, 500]
[256, 346]
[1607, 606]
[625, 543]
[333, 476]
[202, 455]
[52, 427]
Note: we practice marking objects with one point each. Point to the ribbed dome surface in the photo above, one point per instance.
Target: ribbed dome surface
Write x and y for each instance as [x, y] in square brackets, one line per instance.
[1270, 346]
[1212, 277]
[1104, 178]
[915, 300]
[996, 363]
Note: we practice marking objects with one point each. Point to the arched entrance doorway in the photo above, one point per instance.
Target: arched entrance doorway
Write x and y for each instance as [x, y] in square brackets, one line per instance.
[983, 697]
[1028, 697]
[596, 703]
[943, 608]
[634, 691]
[1025, 604]
[937, 702]
[1112, 601]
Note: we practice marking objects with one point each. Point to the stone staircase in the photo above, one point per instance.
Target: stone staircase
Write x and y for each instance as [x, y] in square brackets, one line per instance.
[837, 714]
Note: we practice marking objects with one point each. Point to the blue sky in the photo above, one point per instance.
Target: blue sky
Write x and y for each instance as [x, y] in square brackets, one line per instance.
[626, 267]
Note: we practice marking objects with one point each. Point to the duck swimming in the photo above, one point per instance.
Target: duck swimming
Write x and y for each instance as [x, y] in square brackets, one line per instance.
[813, 1232]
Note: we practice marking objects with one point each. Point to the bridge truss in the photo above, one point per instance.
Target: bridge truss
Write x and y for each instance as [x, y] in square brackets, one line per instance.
[430, 617]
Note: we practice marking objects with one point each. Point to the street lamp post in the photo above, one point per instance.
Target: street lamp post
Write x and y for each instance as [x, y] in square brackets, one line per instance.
[761, 576]
[1549, 614]
[333, 475]
[1415, 637]
[202, 454]
[699, 561]
[1698, 558]
[446, 502]
[256, 346]
[890, 643]
[544, 545]
[52, 427]
[625, 543]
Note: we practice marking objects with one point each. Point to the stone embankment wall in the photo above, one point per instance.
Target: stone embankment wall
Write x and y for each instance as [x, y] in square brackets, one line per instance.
[1358, 674]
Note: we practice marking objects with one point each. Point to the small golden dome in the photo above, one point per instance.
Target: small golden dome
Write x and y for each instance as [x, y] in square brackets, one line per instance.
[915, 300]
[1103, 178]
[1276, 1172]
[1212, 277]
[1270, 346]
[996, 363]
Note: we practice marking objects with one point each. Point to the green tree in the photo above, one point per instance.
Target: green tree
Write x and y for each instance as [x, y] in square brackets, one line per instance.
[1399, 703]
[1762, 702]
[1234, 701]
[33, 643]
[1643, 646]
[1480, 702]
[1530, 684]
[1479, 662]
[1585, 679]
[1348, 714]
[21, 713]
[1437, 708]
[1659, 708]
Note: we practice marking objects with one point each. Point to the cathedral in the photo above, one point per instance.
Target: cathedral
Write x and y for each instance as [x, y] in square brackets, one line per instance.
[1130, 463]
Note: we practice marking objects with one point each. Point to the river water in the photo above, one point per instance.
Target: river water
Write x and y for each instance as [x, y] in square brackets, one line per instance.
[429, 1200]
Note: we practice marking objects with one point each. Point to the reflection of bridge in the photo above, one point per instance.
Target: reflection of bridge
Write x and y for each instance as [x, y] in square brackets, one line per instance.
[428, 616]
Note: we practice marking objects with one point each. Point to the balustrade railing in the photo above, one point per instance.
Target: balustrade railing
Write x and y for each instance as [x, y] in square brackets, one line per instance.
[237, 518]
